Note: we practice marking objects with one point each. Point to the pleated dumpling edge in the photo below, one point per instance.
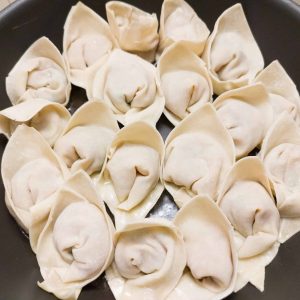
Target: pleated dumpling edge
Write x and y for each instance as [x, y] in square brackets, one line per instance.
[129, 85]
[158, 247]
[179, 22]
[212, 260]
[198, 153]
[40, 72]
[231, 53]
[32, 177]
[184, 80]
[135, 29]
[280, 155]
[78, 221]
[87, 38]
[247, 201]
[85, 139]
[131, 182]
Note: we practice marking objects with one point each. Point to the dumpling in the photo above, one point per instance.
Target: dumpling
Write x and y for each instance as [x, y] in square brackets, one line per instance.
[246, 112]
[179, 22]
[46, 117]
[40, 73]
[31, 173]
[129, 85]
[86, 138]
[232, 56]
[131, 180]
[247, 201]
[282, 90]
[185, 82]
[87, 39]
[198, 153]
[149, 260]
[211, 254]
[76, 245]
[280, 153]
[134, 29]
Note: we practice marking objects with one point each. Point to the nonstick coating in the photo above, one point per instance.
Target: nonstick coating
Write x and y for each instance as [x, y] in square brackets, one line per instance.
[276, 26]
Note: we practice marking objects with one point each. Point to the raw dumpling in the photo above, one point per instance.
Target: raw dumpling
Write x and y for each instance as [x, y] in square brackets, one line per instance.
[131, 180]
[134, 29]
[280, 153]
[247, 201]
[87, 39]
[282, 90]
[86, 138]
[231, 53]
[31, 173]
[129, 85]
[179, 22]
[46, 117]
[199, 152]
[40, 73]
[185, 82]
[246, 112]
[211, 255]
[76, 245]
[149, 260]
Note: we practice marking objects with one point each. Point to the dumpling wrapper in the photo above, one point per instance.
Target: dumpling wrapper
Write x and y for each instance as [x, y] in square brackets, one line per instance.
[31, 173]
[129, 85]
[211, 254]
[232, 55]
[86, 138]
[198, 153]
[280, 153]
[76, 245]
[87, 38]
[48, 118]
[131, 184]
[134, 29]
[39, 73]
[179, 22]
[149, 260]
[185, 82]
[282, 90]
[246, 112]
[247, 201]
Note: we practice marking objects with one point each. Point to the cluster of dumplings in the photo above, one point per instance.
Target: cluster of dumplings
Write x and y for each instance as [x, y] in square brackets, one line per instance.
[232, 165]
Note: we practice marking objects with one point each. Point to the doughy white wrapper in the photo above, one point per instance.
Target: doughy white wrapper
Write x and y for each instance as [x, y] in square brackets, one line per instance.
[184, 80]
[246, 112]
[282, 90]
[179, 22]
[231, 53]
[134, 29]
[247, 201]
[86, 138]
[141, 138]
[211, 254]
[202, 152]
[152, 249]
[129, 85]
[28, 157]
[253, 270]
[39, 73]
[280, 155]
[46, 117]
[76, 244]
[87, 38]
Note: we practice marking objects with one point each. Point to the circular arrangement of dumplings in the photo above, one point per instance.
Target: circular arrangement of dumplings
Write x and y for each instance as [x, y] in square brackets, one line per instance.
[83, 185]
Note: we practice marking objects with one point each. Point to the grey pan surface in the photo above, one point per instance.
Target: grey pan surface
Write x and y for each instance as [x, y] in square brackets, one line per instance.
[276, 26]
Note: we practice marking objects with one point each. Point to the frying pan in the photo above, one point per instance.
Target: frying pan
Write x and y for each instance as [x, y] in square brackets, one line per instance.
[276, 27]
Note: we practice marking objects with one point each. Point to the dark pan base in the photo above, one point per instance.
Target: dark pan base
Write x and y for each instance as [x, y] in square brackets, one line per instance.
[275, 24]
